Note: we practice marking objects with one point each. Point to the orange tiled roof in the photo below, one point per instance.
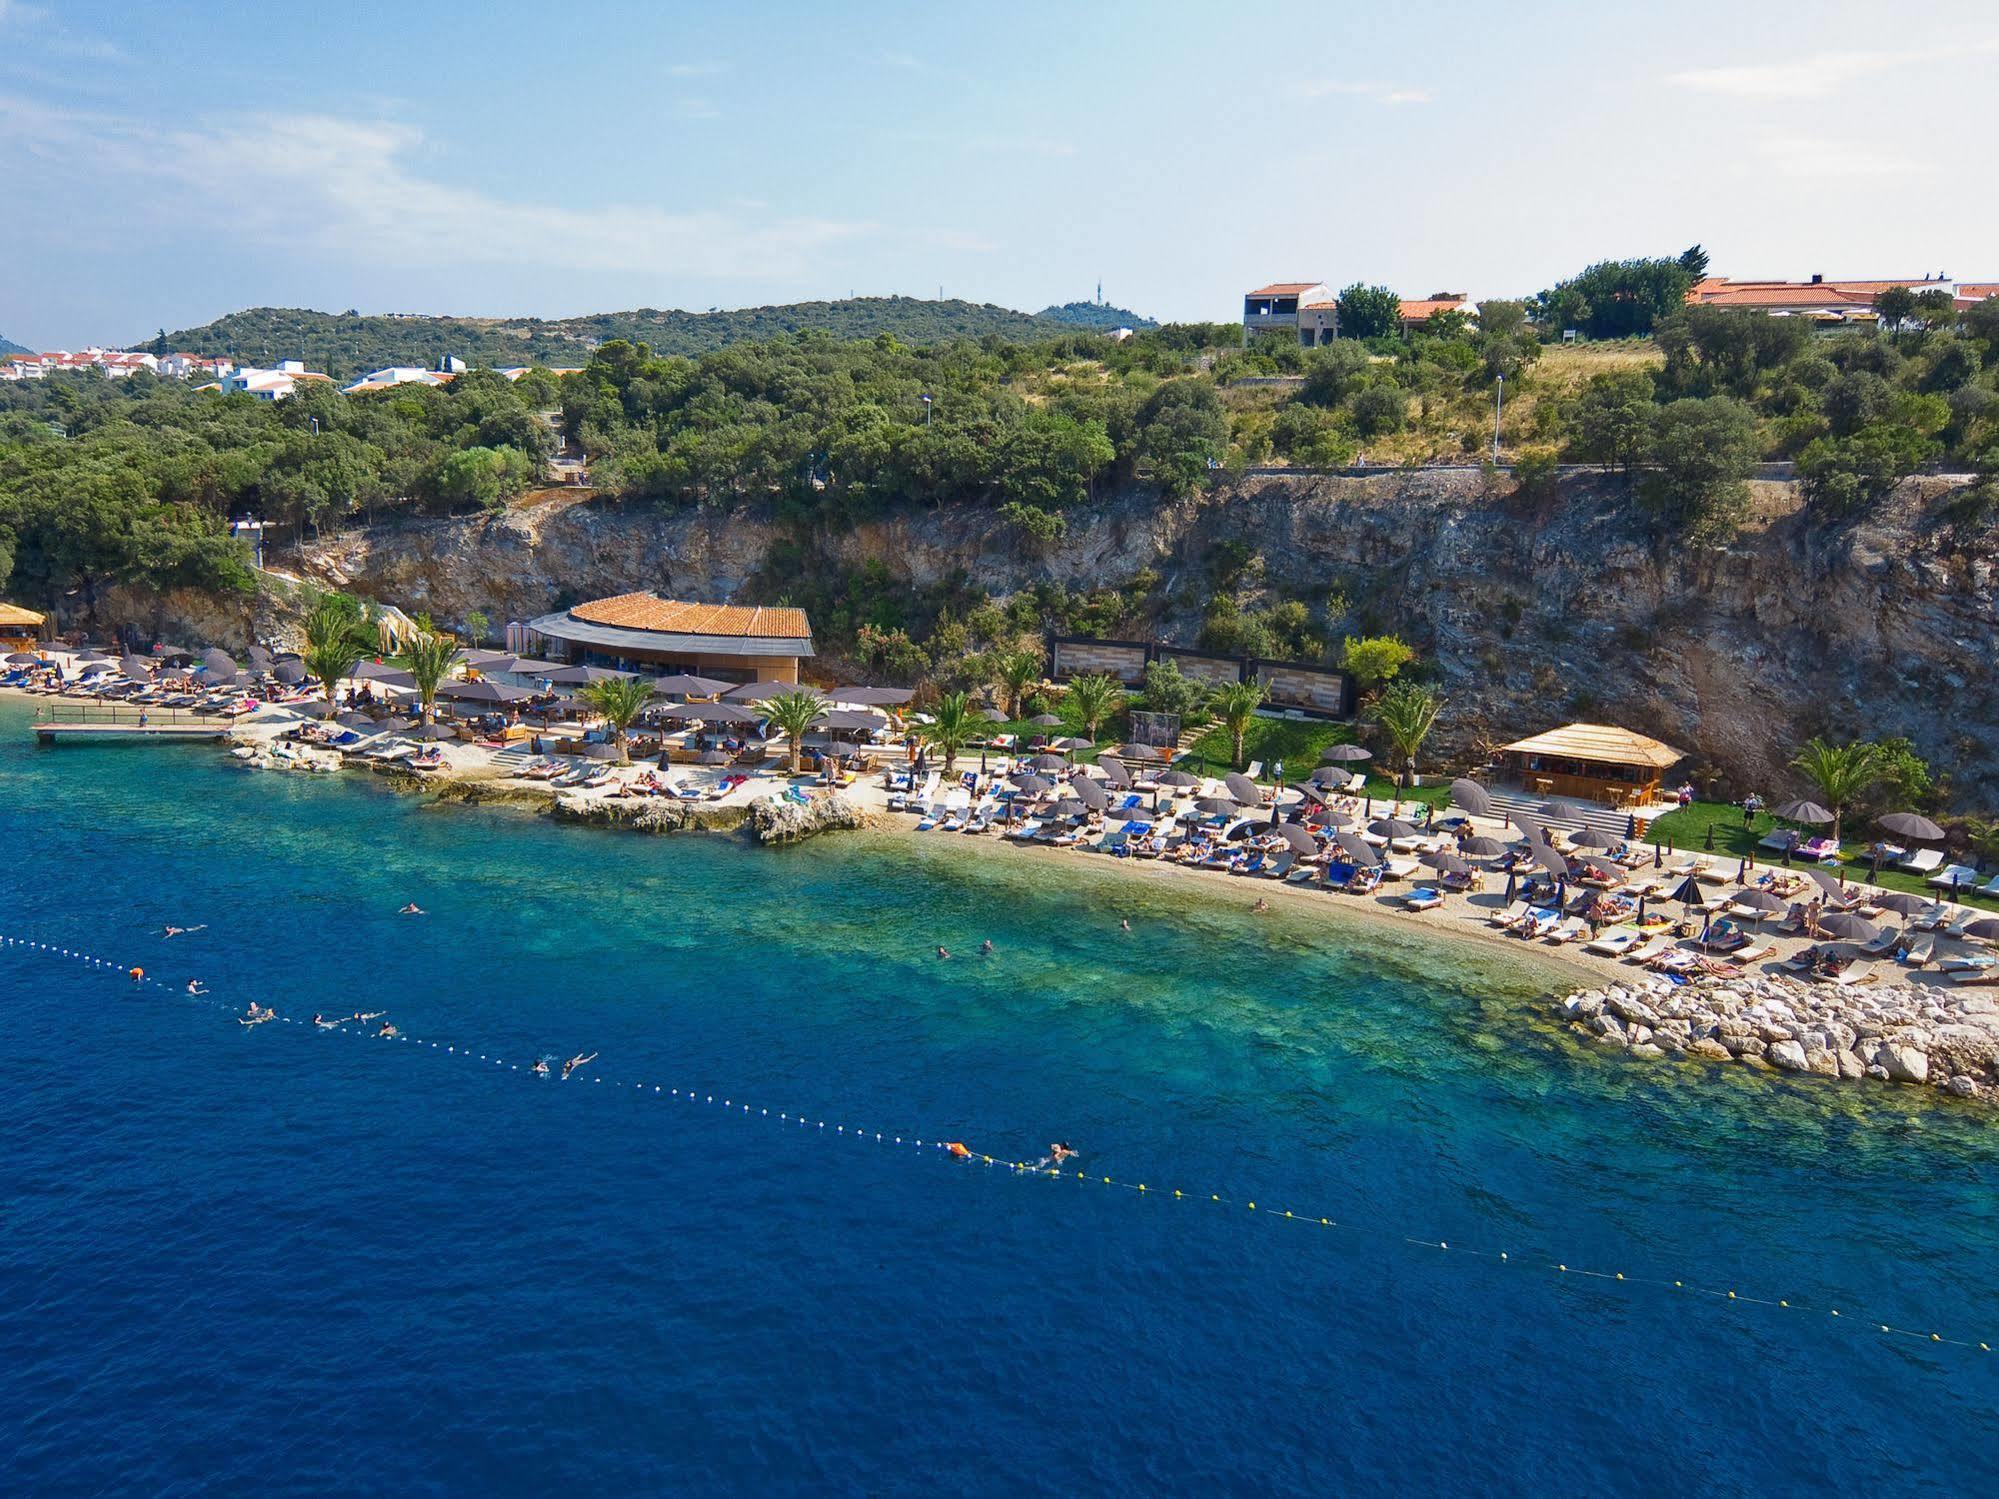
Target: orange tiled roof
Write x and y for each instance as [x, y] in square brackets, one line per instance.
[1977, 291]
[1420, 309]
[648, 611]
[1282, 289]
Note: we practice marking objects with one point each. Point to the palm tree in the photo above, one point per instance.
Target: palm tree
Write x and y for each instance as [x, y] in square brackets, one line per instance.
[1841, 772]
[620, 700]
[336, 638]
[953, 727]
[794, 712]
[1017, 671]
[1095, 698]
[1407, 711]
[1235, 704]
[428, 658]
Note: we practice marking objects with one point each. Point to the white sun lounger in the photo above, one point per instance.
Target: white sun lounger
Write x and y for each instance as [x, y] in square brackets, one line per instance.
[1951, 876]
[1923, 860]
[1615, 942]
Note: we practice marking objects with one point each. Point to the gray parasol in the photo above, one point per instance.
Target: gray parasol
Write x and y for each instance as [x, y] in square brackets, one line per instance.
[1911, 825]
[1468, 796]
[1243, 789]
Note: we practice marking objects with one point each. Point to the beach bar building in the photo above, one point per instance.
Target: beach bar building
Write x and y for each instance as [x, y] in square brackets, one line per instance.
[20, 629]
[1592, 762]
[645, 633]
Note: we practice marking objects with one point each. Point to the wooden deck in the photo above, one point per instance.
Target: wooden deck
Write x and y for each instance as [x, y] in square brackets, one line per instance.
[105, 724]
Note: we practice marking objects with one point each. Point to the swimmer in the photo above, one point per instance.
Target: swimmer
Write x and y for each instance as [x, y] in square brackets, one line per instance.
[1260, 907]
[986, 948]
[369, 1014]
[541, 1067]
[1125, 924]
[324, 1024]
[256, 1016]
[943, 952]
[412, 909]
[138, 975]
[1060, 1152]
[574, 1062]
[386, 1031]
[196, 987]
[175, 931]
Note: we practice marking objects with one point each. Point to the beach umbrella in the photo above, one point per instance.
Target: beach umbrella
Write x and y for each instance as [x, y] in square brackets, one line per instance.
[1803, 811]
[291, 673]
[1708, 842]
[1392, 828]
[599, 752]
[1603, 869]
[1331, 777]
[97, 669]
[1179, 778]
[317, 707]
[1901, 902]
[757, 692]
[23, 658]
[1114, 771]
[708, 713]
[482, 692]
[992, 715]
[173, 653]
[1243, 789]
[1071, 745]
[1688, 894]
[433, 733]
[873, 697]
[100, 656]
[570, 676]
[1550, 860]
[1826, 882]
[1089, 793]
[1032, 784]
[1482, 848]
[1762, 902]
[1591, 838]
[712, 757]
[1911, 825]
[1339, 754]
[1048, 762]
[1299, 838]
[1142, 752]
[353, 720]
[1047, 720]
[138, 668]
[1357, 849]
[684, 685]
[1845, 924]
[1512, 883]
[1468, 796]
[1445, 862]
[1658, 856]
[1215, 806]
[219, 665]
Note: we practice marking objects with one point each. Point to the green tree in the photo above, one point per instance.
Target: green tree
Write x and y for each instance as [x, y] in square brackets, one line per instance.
[1094, 699]
[1703, 451]
[1616, 298]
[427, 657]
[1373, 660]
[1841, 773]
[1895, 307]
[1379, 409]
[1369, 312]
[336, 638]
[618, 701]
[1017, 671]
[477, 623]
[1235, 704]
[1844, 475]
[1612, 420]
[795, 713]
[1407, 711]
[953, 726]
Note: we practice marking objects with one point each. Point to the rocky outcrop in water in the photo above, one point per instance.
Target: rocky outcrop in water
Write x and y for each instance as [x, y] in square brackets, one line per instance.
[1903, 1033]
[779, 819]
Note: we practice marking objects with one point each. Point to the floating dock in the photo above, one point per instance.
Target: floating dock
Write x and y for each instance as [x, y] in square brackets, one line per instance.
[99, 731]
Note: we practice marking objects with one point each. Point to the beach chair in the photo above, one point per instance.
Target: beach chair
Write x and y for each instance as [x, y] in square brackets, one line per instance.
[1569, 929]
[1954, 876]
[1920, 951]
[1614, 942]
[1883, 944]
[1510, 915]
[1922, 861]
[1279, 867]
[1423, 899]
[1990, 887]
[1965, 962]
[1254, 770]
[1976, 976]
[1649, 950]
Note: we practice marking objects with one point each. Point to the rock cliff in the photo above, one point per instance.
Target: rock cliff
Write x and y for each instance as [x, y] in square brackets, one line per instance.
[1532, 614]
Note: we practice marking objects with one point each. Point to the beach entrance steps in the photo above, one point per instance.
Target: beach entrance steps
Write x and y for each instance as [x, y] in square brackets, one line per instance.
[1598, 819]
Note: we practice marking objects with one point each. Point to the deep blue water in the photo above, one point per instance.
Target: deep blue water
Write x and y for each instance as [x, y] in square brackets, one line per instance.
[276, 1261]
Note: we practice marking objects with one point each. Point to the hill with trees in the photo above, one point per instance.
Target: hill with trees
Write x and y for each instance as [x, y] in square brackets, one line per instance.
[7, 346]
[348, 343]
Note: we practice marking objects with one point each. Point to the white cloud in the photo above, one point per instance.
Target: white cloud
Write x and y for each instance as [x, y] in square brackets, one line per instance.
[1820, 75]
[350, 187]
[1380, 93]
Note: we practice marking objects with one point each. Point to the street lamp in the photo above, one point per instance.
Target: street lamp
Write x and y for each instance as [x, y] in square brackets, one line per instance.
[926, 410]
[1498, 405]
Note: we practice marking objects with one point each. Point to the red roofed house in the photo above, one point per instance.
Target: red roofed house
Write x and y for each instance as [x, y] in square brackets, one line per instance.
[1301, 308]
[1416, 311]
[1823, 300]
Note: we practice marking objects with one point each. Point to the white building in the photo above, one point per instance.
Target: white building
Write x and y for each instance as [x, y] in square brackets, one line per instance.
[271, 385]
[1282, 305]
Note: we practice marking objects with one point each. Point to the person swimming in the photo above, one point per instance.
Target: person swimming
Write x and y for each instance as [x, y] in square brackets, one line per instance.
[326, 1025]
[137, 975]
[369, 1014]
[1125, 924]
[1260, 907]
[412, 909]
[541, 1067]
[943, 952]
[387, 1031]
[986, 947]
[574, 1062]
[1060, 1152]
[196, 987]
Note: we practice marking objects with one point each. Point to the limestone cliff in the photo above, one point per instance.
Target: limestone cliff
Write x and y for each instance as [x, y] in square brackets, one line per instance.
[1531, 615]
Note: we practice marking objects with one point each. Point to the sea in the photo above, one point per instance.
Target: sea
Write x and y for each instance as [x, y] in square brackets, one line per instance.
[284, 1260]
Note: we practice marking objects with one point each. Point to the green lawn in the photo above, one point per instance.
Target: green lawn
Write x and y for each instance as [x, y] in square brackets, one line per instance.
[1688, 830]
[1297, 742]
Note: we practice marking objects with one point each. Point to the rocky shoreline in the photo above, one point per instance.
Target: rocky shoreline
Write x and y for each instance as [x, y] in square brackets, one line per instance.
[1901, 1033]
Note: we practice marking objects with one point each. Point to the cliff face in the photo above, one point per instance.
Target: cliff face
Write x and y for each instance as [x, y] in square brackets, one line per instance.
[1532, 615]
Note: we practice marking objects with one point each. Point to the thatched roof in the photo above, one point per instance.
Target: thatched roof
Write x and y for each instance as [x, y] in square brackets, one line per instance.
[14, 614]
[1600, 744]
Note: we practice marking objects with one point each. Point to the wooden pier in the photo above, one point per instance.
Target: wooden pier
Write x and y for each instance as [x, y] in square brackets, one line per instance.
[102, 723]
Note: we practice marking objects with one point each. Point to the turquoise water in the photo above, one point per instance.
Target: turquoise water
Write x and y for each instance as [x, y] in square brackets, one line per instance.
[279, 1261]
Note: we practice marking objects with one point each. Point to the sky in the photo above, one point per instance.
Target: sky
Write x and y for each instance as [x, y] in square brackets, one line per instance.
[163, 164]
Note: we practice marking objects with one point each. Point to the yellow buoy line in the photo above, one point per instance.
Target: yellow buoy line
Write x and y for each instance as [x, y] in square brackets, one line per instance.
[347, 1026]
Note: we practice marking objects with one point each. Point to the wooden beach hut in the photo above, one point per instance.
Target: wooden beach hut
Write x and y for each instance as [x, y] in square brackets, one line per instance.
[20, 629]
[1593, 762]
